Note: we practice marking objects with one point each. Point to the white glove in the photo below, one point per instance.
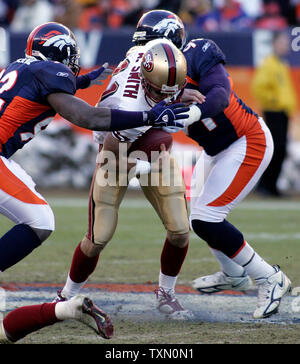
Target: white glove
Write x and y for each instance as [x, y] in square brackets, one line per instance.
[194, 115]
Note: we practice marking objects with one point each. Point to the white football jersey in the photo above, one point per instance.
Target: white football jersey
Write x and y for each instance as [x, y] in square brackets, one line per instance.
[125, 92]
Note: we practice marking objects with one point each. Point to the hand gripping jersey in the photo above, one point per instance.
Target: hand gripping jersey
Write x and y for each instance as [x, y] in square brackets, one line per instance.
[219, 127]
[24, 110]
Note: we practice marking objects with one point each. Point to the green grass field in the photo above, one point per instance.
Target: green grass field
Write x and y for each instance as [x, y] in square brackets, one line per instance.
[133, 256]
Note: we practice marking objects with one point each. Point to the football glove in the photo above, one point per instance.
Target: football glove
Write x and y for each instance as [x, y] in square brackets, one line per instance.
[194, 114]
[99, 75]
[172, 115]
[95, 77]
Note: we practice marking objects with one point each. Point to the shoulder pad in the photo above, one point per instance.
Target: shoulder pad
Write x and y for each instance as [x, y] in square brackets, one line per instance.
[202, 54]
[54, 77]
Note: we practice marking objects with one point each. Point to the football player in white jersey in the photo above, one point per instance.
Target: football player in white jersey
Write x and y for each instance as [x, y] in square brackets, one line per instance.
[148, 75]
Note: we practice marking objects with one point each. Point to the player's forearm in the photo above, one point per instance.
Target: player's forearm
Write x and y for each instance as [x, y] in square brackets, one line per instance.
[216, 87]
[82, 114]
[216, 102]
[102, 118]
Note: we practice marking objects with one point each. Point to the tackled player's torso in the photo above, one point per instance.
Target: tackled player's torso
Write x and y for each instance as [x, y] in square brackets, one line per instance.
[125, 92]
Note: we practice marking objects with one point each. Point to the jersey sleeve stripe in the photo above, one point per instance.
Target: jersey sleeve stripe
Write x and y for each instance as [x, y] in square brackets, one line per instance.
[190, 80]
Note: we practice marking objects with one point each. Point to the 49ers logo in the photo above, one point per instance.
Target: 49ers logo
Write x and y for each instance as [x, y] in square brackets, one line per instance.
[148, 61]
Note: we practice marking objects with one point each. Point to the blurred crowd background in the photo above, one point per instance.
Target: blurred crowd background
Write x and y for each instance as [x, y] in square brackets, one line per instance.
[206, 15]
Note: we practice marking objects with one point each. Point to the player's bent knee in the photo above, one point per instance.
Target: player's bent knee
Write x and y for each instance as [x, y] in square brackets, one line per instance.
[42, 234]
[179, 240]
[89, 248]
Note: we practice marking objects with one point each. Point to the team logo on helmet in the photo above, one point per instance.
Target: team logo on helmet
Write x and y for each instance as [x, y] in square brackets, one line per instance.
[148, 61]
[167, 25]
[57, 39]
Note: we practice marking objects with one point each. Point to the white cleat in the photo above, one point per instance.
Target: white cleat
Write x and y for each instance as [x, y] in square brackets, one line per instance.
[168, 304]
[220, 281]
[270, 292]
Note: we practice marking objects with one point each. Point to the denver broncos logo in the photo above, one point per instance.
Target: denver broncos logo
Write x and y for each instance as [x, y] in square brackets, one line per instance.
[167, 25]
[57, 39]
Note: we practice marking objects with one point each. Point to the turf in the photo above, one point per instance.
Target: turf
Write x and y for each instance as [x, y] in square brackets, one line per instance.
[133, 256]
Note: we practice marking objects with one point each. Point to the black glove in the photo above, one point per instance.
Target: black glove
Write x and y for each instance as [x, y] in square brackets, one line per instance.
[171, 115]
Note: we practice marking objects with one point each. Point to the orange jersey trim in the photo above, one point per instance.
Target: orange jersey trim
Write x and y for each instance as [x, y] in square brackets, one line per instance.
[256, 147]
[239, 117]
[241, 248]
[17, 113]
[190, 80]
[14, 187]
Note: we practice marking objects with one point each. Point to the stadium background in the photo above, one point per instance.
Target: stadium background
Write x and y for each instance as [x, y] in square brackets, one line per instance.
[64, 155]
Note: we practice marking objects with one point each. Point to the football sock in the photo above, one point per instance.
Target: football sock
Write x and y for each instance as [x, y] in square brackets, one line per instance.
[70, 309]
[72, 288]
[167, 282]
[82, 267]
[222, 236]
[253, 264]
[228, 266]
[142, 167]
[226, 238]
[25, 320]
[16, 244]
[172, 258]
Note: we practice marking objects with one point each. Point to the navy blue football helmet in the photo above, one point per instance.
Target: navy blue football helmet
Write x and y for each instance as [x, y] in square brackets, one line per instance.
[160, 24]
[54, 42]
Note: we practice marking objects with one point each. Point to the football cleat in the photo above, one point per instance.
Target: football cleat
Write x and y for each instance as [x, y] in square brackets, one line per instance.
[220, 281]
[84, 310]
[270, 292]
[168, 304]
[60, 297]
[97, 319]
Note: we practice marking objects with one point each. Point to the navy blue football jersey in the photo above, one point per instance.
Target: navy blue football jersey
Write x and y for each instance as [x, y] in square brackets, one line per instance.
[24, 110]
[216, 130]
[201, 55]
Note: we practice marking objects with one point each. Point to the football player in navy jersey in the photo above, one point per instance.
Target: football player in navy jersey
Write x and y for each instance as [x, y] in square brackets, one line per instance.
[237, 149]
[32, 90]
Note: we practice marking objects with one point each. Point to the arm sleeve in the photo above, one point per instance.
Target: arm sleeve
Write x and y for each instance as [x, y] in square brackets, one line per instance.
[216, 87]
[82, 82]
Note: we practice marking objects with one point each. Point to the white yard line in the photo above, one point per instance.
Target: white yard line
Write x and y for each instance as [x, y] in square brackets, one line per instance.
[143, 203]
[141, 306]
